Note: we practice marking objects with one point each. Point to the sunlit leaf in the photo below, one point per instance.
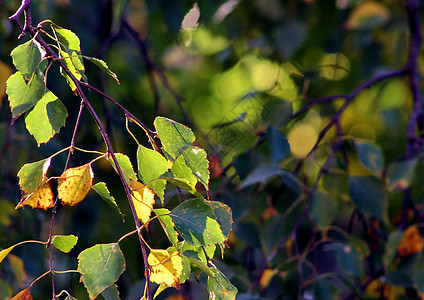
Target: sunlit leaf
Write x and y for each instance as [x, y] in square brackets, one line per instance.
[23, 295]
[191, 19]
[401, 173]
[64, 243]
[143, 198]
[103, 66]
[180, 170]
[202, 253]
[181, 182]
[26, 58]
[103, 191]
[195, 221]
[74, 184]
[223, 215]
[196, 159]
[167, 224]
[370, 156]
[126, 166]
[165, 267]
[46, 118]
[5, 252]
[67, 38]
[41, 198]
[100, 266]
[67, 60]
[151, 165]
[174, 136]
[32, 175]
[24, 95]
[368, 15]
[411, 242]
[220, 288]
[369, 195]
[196, 263]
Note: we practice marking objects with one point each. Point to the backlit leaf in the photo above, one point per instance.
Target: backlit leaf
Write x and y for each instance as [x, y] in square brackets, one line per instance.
[181, 182]
[103, 191]
[100, 267]
[74, 184]
[31, 175]
[196, 159]
[195, 221]
[64, 243]
[220, 288]
[103, 66]
[5, 252]
[67, 38]
[411, 242]
[369, 196]
[41, 198]
[143, 198]
[26, 58]
[167, 224]
[174, 136]
[46, 118]
[370, 156]
[180, 170]
[151, 165]
[24, 95]
[23, 295]
[66, 59]
[126, 166]
[165, 267]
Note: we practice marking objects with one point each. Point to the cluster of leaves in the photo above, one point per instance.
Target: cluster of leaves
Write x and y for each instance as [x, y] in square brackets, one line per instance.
[194, 228]
[311, 113]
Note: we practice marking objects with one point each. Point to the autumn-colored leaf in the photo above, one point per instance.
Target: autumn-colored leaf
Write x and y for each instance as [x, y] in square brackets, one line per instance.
[74, 184]
[266, 277]
[31, 175]
[143, 198]
[165, 267]
[411, 242]
[368, 15]
[42, 198]
[23, 295]
[17, 265]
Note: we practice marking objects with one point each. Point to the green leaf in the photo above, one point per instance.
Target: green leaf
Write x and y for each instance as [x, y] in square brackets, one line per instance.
[369, 196]
[401, 173]
[196, 159]
[370, 156]
[22, 95]
[323, 208]
[26, 58]
[125, 164]
[180, 170]
[31, 175]
[196, 222]
[262, 174]
[103, 191]
[167, 225]
[223, 215]
[111, 293]
[100, 267]
[220, 288]
[46, 118]
[324, 290]
[67, 38]
[278, 144]
[182, 183]
[64, 243]
[201, 251]
[391, 247]
[349, 259]
[174, 136]
[103, 66]
[193, 258]
[151, 165]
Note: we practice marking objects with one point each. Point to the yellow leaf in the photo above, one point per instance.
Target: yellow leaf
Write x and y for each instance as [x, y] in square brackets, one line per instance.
[5, 252]
[143, 198]
[412, 242]
[42, 197]
[367, 15]
[266, 277]
[74, 184]
[17, 265]
[23, 295]
[165, 267]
